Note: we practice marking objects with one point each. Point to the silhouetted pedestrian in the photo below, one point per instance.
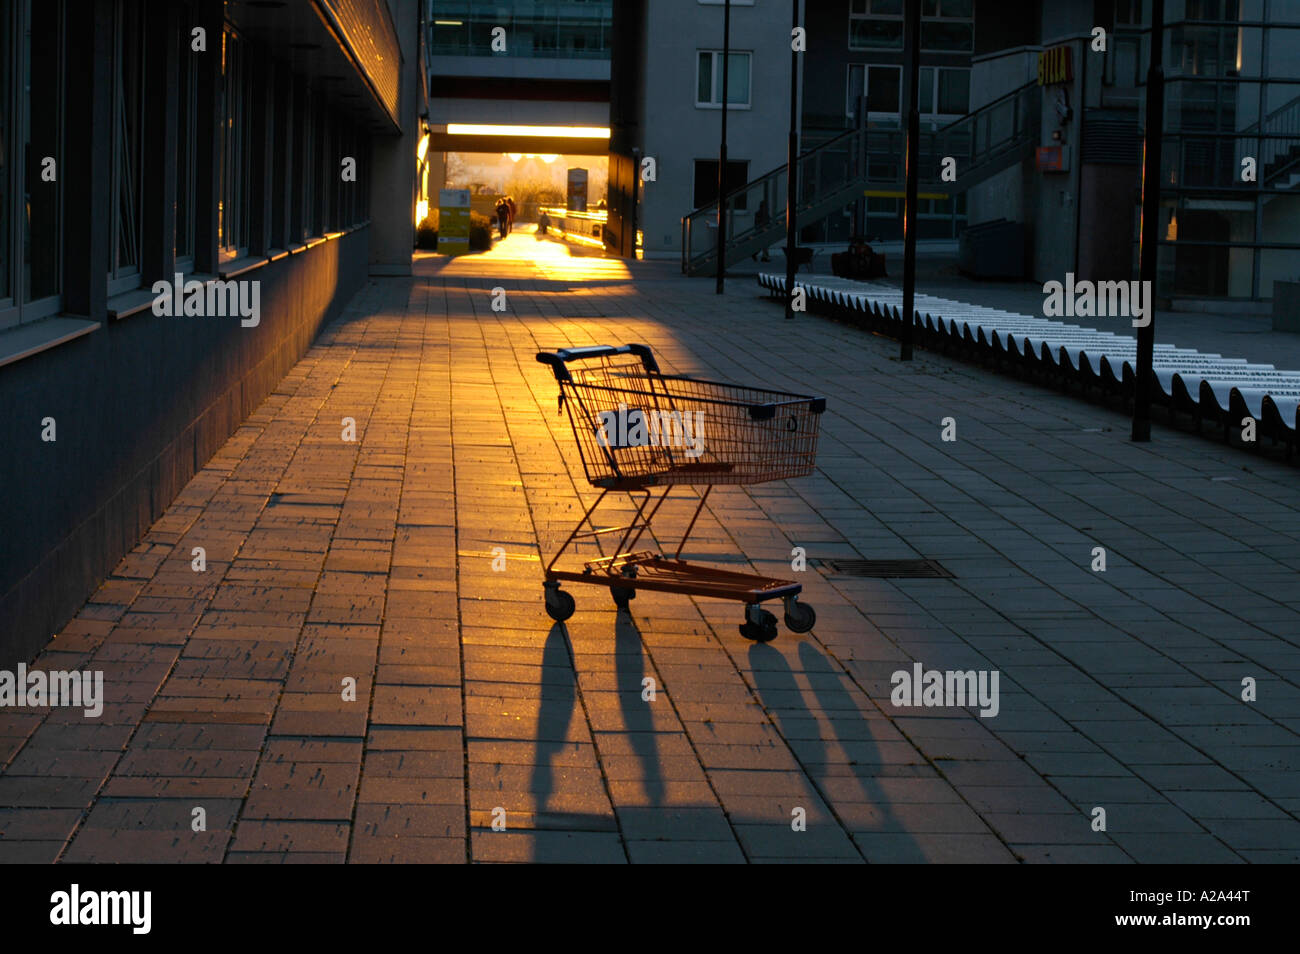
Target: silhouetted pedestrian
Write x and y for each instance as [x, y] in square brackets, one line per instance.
[503, 217]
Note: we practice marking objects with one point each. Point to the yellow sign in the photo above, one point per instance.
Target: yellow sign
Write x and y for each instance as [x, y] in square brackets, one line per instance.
[453, 221]
[1055, 66]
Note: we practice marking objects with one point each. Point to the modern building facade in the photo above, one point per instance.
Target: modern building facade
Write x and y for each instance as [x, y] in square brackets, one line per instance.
[1232, 94]
[517, 76]
[669, 109]
[189, 192]
[856, 79]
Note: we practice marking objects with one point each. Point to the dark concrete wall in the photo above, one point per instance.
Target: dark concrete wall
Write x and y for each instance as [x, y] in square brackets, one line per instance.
[140, 405]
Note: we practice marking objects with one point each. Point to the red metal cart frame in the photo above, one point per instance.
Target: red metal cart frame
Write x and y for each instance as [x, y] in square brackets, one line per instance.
[637, 429]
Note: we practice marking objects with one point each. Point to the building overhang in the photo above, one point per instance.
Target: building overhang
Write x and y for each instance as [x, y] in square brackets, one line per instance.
[351, 45]
[536, 140]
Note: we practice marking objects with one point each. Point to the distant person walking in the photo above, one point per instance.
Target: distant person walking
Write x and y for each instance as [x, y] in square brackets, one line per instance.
[503, 217]
[514, 210]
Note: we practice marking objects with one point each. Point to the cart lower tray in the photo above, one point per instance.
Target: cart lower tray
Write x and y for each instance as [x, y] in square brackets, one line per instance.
[654, 571]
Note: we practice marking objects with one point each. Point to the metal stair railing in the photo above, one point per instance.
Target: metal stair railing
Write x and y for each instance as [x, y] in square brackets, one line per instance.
[837, 172]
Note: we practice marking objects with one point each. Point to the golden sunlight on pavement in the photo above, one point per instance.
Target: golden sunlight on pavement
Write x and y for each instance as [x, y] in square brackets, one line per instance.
[524, 254]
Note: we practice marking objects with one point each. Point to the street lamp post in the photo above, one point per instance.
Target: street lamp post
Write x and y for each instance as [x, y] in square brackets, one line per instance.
[912, 68]
[722, 150]
[1150, 234]
[792, 171]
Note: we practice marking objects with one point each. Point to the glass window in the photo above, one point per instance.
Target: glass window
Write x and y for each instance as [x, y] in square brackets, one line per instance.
[186, 111]
[708, 79]
[236, 157]
[954, 91]
[946, 25]
[875, 34]
[925, 95]
[883, 89]
[1128, 12]
[704, 78]
[854, 89]
[308, 184]
[128, 111]
[31, 157]
[8, 177]
[41, 114]
[568, 30]
[320, 168]
[947, 36]
[334, 214]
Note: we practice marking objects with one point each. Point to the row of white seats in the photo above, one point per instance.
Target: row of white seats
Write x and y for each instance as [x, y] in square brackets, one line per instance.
[1206, 386]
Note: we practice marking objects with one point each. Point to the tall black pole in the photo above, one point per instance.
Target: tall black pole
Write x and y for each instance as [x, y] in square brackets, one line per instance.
[792, 171]
[1150, 236]
[912, 71]
[722, 149]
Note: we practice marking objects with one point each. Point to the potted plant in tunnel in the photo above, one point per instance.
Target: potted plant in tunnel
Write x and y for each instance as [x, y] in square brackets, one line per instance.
[426, 233]
[480, 233]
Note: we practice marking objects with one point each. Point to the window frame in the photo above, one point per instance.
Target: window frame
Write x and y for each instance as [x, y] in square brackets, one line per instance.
[876, 114]
[122, 278]
[937, 18]
[716, 79]
[234, 194]
[929, 110]
[15, 310]
[714, 179]
[187, 106]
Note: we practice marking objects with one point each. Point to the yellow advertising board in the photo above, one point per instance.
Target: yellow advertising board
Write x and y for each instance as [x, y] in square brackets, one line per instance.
[453, 221]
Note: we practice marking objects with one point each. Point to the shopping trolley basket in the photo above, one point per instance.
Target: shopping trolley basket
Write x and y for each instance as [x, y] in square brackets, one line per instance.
[638, 429]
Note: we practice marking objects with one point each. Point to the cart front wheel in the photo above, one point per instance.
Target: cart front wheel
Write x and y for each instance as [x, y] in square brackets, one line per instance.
[800, 618]
[759, 625]
[622, 595]
[559, 604]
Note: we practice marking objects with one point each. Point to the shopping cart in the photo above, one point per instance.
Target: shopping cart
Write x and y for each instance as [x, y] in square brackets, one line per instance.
[638, 428]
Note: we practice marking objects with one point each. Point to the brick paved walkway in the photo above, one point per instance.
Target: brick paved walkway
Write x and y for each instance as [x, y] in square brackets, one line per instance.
[329, 560]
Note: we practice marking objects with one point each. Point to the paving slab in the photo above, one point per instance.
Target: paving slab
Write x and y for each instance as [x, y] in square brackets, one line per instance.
[364, 671]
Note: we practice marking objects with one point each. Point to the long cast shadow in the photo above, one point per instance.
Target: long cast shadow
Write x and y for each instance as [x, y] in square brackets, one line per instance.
[554, 714]
[774, 677]
[558, 702]
[629, 662]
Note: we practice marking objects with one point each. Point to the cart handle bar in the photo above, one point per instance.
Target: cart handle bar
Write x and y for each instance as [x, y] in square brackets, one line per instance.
[558, 359]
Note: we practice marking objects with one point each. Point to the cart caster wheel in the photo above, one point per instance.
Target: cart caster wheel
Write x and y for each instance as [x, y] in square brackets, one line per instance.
[559, 604]
[759, 626]
[622, 595]
[802, 619]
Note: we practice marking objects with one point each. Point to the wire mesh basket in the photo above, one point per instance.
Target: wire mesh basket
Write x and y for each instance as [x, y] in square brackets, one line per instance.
[637, 426]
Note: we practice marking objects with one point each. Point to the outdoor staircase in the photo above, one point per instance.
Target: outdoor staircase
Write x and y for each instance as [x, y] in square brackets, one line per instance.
[1279, 147]
[1283, 172]
[995, 137]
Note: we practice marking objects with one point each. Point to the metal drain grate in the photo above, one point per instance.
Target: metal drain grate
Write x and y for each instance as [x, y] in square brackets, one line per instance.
[885, 569]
